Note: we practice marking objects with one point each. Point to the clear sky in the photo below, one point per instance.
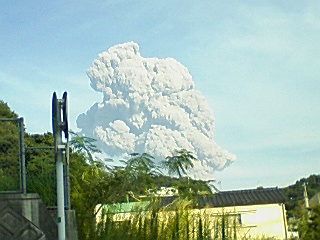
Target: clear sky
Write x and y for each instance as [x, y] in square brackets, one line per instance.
[256, 62]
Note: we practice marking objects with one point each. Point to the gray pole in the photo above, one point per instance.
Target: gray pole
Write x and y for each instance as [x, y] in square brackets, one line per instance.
[67, 178]
[23, 182]
[60, 195]
[59, 147]
[60, 182]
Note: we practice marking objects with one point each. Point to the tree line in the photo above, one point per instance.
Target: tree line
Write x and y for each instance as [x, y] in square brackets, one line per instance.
[95, 181]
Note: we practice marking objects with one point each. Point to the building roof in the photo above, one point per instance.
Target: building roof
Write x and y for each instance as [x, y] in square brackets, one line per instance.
[126, 207]
[220, 199]
[237, 198]
[243, 197]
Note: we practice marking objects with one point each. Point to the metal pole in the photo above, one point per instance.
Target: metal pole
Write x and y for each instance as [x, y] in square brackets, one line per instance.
[68, 174]
[23, 181]
[67, 185]
[60, 185]
[60, 196]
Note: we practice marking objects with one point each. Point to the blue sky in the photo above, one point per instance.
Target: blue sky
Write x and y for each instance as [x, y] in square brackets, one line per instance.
[256, 62]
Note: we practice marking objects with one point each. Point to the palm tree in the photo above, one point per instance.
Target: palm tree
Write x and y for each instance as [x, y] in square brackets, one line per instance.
[141, 164]
[84, 145]
[179, 163]
[137, 174]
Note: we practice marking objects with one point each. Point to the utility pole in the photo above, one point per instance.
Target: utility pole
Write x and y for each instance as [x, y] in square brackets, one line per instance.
[59, 125]
[305, 196]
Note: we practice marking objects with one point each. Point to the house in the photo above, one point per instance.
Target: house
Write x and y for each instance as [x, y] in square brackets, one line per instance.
[255, 212]
[164, 192]
[261, 212]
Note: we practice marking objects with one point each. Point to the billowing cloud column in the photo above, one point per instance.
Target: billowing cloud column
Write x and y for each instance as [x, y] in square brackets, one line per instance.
[150, 105]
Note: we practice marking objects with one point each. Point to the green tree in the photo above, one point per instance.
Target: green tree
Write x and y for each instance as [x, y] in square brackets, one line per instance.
[40, 165]
[309, 227]
[90, 183]
[9, 149]
[6, 112]
[136, 176]
[84, 145]
[142, 164]
[179, 163]
[89, 187]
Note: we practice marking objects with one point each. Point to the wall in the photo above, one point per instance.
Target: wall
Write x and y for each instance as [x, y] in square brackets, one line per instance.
[25, 217]
[267, 220]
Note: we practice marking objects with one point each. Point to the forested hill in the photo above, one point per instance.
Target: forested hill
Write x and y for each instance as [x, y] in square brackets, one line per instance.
[295, 193]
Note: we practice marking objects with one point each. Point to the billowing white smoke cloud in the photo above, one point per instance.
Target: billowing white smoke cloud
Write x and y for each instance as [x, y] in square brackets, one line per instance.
[150, 105]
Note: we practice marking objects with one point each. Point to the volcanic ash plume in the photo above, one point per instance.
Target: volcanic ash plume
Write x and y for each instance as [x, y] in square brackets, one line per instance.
[150, 105]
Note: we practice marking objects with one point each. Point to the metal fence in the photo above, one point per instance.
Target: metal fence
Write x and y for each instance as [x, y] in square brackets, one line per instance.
[23, 168]
[12, 156]
[41, 174]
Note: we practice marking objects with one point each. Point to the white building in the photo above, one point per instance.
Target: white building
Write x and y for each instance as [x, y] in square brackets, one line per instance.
[256, 212]
[260, 212]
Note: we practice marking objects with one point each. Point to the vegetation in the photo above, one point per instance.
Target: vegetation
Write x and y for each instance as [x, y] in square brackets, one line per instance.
[175, 221]
[179, 162]
[41, 175]
[9, 150]
[295, 194]
[305, 221]
[85, 146]
[93, 182]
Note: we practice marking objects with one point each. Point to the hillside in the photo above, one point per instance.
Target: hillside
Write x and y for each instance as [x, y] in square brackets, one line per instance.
[295, 191]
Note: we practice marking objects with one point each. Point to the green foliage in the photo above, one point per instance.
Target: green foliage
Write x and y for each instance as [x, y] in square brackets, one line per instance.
[298, 217]
[84, 146]
[294, 194]
[9, 150]
[6, 112]
[91, 182]
[89, 187]
[179, 163]
[92, 185]
[309, 226]
[9, 156]
[142, 164]
[40, 167]
[176, 221]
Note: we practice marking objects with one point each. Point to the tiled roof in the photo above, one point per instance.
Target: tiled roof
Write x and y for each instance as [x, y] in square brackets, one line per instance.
[243, 197]
[237, 198]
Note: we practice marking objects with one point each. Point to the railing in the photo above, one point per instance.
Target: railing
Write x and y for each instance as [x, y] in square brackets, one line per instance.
[12, 156]
[28, 169]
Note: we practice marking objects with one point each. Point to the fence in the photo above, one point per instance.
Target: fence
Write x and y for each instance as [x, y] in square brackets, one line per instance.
[12, 156]
[41, 174]
[25, 169]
